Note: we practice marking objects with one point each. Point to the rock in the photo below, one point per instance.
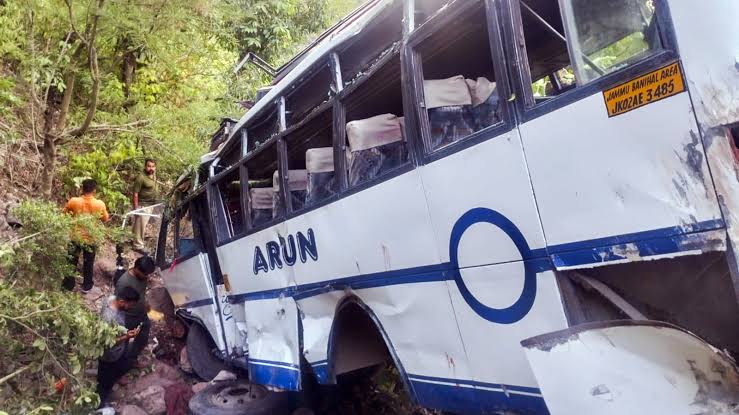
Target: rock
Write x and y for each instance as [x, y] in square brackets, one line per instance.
[196, 388]
[223, 376]
[132, 410]
[163, 375]
[185, 361]
[105, 268]
[93, 294]
[151, 400]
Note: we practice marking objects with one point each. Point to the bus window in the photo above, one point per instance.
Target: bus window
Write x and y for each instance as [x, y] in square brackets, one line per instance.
[309, 94]
[264, 204]
[607, 35]
[603, 36]
[262, 129]
[229, 188]
[460, 92]
[379, 38]
[186, 242]
[373, 130]
[310, 149]
[424, 9]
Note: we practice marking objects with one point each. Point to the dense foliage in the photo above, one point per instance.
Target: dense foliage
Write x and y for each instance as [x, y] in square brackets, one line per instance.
[48, 335]
[88, 89]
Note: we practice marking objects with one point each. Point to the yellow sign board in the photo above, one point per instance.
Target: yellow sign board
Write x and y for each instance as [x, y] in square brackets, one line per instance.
[652, 87]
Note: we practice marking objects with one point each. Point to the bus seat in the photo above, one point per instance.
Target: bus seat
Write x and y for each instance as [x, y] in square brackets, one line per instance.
[319, 162]
[448, 102]
[485, 109]
[261, 205]
[297, 185]
[376, 146]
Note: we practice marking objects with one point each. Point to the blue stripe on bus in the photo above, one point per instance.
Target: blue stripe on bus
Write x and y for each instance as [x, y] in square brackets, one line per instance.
[650, 243]
[467, 396]
[320, 369]
[197, 303]
[278, 374]
[662, 233]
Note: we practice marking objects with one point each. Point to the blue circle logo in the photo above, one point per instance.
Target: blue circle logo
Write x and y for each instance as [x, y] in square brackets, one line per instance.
[522, 306]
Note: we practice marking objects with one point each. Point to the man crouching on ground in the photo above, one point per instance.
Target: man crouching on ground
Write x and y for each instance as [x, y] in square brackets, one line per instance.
[135, 316]
[117, 360]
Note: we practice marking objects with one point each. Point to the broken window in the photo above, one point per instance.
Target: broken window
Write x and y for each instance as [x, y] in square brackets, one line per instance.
[607, 35]
[460, 92]
[186, 240]
[313, 89]
[424, 9]
[262, 168]
[310, 160]
[604, 36]
[263, 128]
[374, 112]
[380, 37]
[229, 189]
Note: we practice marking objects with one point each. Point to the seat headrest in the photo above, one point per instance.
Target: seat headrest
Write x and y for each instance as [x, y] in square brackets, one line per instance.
[373, 132]
[480, 90]
[450, 92]
[261, 197]
[296, 179]
[319, 160]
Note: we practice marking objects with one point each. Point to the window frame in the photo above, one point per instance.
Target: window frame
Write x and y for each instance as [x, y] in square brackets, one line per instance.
[340, 143]
[217, 209]
[196, 237]
[431, 26]
[515, 47]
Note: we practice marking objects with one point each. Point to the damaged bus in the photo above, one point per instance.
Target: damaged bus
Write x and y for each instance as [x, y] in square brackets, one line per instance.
[524, 206]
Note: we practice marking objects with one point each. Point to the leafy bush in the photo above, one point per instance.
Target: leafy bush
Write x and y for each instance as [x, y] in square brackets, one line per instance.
[48, 336]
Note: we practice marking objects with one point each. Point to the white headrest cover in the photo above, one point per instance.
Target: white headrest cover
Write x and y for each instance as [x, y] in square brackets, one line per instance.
[480, 90]
[319, 160]
[450, 92]
[296, 179]
[373, 132]
[261, 197]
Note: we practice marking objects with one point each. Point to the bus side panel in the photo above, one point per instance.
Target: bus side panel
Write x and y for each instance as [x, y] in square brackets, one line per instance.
[636, 177]
[380, 239]
[271, 317]
[709, 47]
[491, 175]
[189, 284]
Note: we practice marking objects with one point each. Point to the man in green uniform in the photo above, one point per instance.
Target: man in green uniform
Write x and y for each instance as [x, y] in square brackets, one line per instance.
[136, 314]
[145, 193]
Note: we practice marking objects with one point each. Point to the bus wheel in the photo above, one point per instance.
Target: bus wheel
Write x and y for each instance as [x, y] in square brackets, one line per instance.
[238, 397]
[201, 351]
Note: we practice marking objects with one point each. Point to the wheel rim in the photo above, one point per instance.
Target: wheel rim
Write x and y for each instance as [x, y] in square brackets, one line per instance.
[236, 396]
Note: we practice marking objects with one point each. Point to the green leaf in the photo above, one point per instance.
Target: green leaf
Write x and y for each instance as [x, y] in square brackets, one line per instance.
[39, 344]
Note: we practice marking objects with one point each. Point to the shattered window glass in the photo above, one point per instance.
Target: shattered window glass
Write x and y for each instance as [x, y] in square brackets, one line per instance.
[186, 242]
[229, 189]
[310, 159]
[264, 194]
[374, 128]
[459, 86]
[607, 35]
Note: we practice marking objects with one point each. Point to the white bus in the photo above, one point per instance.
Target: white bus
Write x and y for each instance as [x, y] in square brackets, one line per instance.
[523, 205]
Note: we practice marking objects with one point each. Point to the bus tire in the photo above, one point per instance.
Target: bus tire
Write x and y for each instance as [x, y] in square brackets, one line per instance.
[238, 397]
[200, 347]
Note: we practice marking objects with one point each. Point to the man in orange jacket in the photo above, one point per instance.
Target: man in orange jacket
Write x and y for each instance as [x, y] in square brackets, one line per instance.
[86, 204]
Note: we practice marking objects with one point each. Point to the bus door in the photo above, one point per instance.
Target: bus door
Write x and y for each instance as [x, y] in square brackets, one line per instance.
[608, 129]
[186, 269]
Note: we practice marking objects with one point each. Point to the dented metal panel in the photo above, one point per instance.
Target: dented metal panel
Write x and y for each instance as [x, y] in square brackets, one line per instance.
[621, 188]
[190, 286]
[627, 367]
